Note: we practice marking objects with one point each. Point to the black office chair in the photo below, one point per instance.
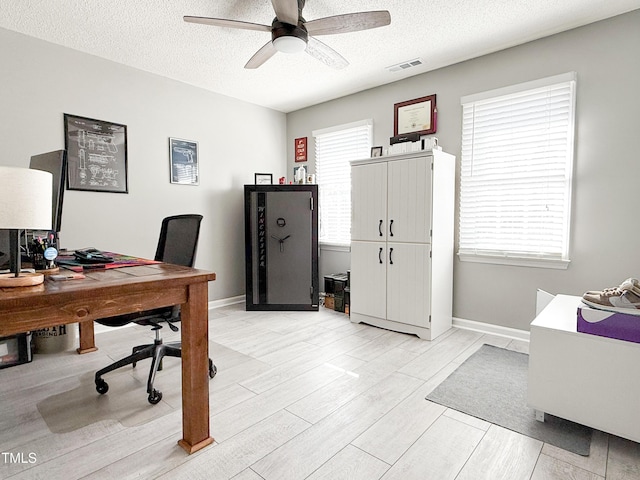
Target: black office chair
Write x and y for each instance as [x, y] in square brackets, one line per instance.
[178, 244]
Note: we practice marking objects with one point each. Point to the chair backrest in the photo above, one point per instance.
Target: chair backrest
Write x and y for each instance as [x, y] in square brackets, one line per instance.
[179, 240]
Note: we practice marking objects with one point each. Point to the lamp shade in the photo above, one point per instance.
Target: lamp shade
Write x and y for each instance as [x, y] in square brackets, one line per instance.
[25, 199]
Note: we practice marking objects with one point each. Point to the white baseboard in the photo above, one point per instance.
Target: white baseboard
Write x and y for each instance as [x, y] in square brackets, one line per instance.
[224, 302]
[457, 322]
[491, 329]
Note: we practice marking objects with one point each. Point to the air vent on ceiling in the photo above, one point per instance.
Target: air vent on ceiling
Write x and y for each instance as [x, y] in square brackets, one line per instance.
[404, 65]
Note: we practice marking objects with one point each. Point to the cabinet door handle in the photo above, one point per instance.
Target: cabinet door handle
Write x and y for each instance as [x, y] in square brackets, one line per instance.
[390, 259]
[391, 228]
[380, 255]
[380, 227]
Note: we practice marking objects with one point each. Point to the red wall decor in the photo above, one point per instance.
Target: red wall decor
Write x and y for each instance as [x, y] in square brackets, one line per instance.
[301, 149]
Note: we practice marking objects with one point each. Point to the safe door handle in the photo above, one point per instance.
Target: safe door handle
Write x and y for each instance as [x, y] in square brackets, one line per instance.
[380, 255]
[391, 228]
[390, 259]
[380, 227]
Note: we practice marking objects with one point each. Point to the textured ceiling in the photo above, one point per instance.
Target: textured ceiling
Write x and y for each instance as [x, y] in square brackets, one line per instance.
[150, 35]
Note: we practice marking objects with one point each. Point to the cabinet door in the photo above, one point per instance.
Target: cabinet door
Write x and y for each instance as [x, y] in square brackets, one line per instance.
[409, 192]
[369, 202]
[288, 239]
[408, 283]
[368, 278]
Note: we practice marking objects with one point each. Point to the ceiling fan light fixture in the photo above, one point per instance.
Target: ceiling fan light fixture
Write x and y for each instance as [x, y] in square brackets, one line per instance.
[289, 44]
[290, 31]
[288, 38]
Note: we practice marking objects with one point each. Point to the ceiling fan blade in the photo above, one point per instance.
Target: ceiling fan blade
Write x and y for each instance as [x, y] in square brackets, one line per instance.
[349, 22]
[261, 56]
[286, 11]
[222, 22]
[325, 54]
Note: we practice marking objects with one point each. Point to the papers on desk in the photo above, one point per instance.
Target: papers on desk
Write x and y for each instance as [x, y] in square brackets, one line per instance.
[68, 261]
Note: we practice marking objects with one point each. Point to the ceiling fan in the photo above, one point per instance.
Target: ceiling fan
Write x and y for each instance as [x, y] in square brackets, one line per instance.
[291, 33]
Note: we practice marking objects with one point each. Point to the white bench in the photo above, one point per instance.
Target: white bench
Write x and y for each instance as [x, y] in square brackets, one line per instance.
[588, 379]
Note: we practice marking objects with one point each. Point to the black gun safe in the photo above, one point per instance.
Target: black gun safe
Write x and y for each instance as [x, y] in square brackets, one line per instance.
[281, 241]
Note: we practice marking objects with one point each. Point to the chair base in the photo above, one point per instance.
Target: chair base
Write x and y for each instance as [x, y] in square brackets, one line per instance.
[156, 351]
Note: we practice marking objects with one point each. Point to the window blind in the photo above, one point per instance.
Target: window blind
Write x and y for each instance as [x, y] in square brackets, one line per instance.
[334, 148]
[516, 168]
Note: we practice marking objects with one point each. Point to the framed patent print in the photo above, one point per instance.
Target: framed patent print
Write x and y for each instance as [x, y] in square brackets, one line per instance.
[96, 154]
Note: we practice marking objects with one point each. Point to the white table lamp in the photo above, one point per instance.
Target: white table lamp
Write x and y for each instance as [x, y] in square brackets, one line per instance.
[25, 203]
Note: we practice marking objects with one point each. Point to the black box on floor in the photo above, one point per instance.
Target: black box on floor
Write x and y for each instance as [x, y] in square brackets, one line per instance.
[328, 284]
[339, 284]
[335, 282]
[347, 299]
[338, 304]
[334, 286]
[15, 350]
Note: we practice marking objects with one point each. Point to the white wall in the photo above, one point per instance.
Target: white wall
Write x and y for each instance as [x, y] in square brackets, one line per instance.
[40, 81]
[605, 230]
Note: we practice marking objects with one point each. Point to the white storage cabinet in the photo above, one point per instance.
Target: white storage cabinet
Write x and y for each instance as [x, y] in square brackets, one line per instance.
[402, 242]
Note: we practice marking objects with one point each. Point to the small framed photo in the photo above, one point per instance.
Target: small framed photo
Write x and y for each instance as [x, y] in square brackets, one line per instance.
[263, 178]
[415, 116]
[376, 152]
[184, 161]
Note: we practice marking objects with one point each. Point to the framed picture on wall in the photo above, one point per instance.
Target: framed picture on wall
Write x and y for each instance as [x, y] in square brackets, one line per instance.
[415, 116]
[183, 156]
[301, 149]
[96, 154]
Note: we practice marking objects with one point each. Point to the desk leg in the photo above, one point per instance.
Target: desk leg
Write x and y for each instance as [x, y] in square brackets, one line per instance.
[87, 338]
[195, 369]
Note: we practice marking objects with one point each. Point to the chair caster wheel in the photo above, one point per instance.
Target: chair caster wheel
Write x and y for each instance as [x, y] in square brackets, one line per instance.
[154, 397]
[212, 369]
[102, 387]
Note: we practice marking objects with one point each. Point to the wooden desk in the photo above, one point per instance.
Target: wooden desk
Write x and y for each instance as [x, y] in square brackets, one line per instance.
[105, 293]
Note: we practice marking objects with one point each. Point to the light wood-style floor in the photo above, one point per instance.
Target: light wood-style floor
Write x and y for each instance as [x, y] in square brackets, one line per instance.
[298, 395]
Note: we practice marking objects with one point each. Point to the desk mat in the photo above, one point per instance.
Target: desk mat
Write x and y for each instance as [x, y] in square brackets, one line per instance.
[119, 260]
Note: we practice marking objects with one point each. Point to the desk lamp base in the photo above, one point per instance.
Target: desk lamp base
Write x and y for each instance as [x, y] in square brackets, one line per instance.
[23, 280]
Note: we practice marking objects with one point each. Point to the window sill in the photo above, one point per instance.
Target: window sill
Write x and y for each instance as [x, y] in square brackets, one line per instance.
[515, 261]
[335, 247]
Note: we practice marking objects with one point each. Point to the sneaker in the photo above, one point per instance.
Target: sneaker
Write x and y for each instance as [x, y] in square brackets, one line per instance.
[622, 299]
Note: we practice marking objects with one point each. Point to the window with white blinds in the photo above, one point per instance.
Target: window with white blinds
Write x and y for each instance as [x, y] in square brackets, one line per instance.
[335, 147]
[517, 161]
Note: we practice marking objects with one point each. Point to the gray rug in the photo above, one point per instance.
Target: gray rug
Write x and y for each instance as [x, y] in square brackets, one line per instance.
[492, 385]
